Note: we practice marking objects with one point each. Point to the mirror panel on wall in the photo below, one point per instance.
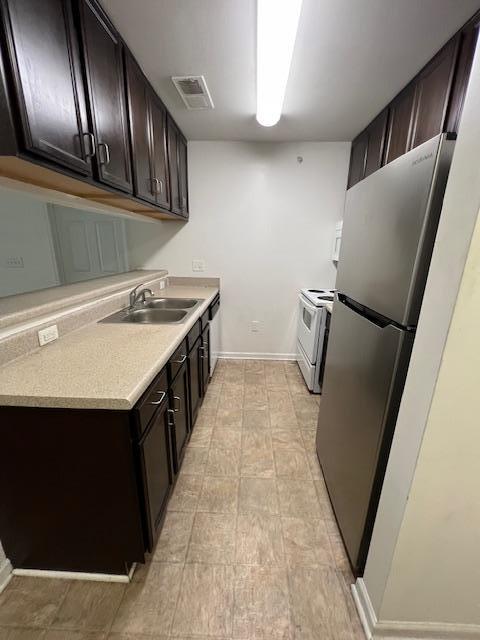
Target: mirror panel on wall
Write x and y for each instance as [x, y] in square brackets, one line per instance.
[45, 245]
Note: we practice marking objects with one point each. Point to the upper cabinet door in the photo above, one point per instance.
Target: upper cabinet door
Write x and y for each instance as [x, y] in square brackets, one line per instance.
[400, 123]
[357, 160]
[376, 132]
[172, 146]
[182, 175]
[433, 91]
[159, 151]
[105, 79]
[48, 81]
[138, 92]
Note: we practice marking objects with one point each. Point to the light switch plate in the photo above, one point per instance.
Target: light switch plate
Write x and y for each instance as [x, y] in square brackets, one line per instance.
[162, 284]
[49, 334]
[198, 265]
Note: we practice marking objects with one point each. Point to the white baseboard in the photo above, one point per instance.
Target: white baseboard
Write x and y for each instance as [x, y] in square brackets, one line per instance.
[393, 630]
[234, 355]
[5, 573]
[72, 575]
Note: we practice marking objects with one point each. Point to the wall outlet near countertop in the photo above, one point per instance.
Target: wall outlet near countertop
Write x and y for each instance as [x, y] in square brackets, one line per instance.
[255, 326]
[49, 334]
[162, 284]
[198, 265]
[14, 262]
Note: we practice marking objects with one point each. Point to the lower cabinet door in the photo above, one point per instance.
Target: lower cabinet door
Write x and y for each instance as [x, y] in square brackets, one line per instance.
[205, 359]
[179, 399]
[156, 469]
[195, 371]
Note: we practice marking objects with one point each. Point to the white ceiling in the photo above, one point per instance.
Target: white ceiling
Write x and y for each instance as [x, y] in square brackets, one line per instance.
[351, 57]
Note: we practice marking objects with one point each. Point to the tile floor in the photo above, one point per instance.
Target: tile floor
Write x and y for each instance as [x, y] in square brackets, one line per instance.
[249, 549]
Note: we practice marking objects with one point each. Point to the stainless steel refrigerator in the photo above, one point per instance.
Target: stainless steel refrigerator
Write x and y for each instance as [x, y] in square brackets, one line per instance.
[389, 230]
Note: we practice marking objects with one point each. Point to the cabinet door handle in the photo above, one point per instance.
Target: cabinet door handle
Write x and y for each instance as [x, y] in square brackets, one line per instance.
[181, 361]
[177, 399]
[106, 159]
[155, 402]
[91, 139]
[171, 414]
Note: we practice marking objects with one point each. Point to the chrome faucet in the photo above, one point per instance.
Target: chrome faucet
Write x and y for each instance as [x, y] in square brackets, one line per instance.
[140, 295]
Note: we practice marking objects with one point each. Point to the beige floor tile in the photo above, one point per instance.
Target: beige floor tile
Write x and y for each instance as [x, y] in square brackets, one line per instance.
[201, 437]
[298, 498]
[283, 419]
[258, 495]
[205, 604]
[305, 404]
[291, 464]
[213, 538]
[338, 549]
[173, 542]
[229, 418]
[257, 454]
[256, 419]
[287, 439]
[205, 418]
[226, 438]
[276, 381]
[223, 462]
[195, 461]
[319, 609]
[314, 466]
[306, 542]
[57, 634]
[279, 400]
[211, 401]
[186, 493]
[255, 378]
[7, 633]
[148, 607]
[219, 495]
[255, 366]
[255, 397]
[31, 602]
[309, 440]
[259, 539]
[136, 636]
[261, 603]
[89, 606]
[307, 417]
[234, 376]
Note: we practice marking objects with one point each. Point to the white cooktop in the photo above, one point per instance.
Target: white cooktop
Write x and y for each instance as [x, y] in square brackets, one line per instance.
[319, 297]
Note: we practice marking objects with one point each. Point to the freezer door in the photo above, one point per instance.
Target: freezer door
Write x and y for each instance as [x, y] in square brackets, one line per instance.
[390, 223]
[364, 375]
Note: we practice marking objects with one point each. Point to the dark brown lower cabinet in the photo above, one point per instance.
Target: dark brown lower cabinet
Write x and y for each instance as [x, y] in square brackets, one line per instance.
[180, 413]
[156, 469]
[195, 371]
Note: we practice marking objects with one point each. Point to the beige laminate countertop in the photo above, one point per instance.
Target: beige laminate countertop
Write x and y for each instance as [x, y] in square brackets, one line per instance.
[100, 366]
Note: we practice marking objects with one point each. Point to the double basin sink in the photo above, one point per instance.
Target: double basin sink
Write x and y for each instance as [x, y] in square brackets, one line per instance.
[157, 311]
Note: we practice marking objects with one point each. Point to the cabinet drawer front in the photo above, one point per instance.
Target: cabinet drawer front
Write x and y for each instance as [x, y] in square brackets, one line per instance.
[214, 307]
[151, 400]
[193, 335]
[177, 360]
[205, 319]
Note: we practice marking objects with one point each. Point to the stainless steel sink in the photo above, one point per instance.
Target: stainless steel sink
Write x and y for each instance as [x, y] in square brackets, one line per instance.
[170, 303]
[156, 311]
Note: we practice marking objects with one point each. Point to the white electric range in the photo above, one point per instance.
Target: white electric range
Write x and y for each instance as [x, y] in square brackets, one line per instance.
[313, 326]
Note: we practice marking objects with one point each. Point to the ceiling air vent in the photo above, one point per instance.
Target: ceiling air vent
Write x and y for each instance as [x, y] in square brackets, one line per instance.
[194, 91]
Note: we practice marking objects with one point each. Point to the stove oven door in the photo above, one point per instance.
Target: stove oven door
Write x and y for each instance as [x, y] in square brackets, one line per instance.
[309, 321]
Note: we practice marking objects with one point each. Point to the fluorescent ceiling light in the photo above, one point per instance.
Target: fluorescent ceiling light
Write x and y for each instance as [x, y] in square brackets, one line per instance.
[277, 24]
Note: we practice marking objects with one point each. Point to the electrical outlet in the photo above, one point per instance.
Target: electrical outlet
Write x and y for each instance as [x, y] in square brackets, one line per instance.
[49, 334]
[14, 262]
[162, 284]
[255, 326]
[198, 265]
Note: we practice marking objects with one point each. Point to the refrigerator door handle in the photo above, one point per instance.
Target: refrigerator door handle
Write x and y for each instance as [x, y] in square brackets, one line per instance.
[368, 314]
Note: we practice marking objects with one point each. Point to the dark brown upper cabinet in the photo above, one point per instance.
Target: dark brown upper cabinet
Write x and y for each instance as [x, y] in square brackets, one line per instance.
[433, 85]
[400, 123]
[177, 158]
[158, 117]
[466, 50]
[106, 88]
[48, 85]
[358, 156]
[376, 133]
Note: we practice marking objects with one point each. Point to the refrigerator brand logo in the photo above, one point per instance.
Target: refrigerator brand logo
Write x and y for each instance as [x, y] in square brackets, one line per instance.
[421, 159]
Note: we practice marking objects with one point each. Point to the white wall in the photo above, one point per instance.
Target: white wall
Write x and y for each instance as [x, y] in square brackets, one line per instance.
[264, 223]
[442, 511]
[25, 232]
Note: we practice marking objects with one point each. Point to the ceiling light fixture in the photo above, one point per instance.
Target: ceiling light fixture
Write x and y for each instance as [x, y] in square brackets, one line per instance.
[277, 24]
